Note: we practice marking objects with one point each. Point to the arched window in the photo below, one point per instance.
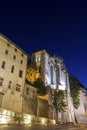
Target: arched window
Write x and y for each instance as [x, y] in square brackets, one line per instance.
[51, 72]
[58, 74]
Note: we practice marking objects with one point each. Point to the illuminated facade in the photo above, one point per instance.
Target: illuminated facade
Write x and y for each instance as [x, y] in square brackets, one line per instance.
[81, 112]
[51, 69]
[54, 74]
[13, 65]
[19, 102]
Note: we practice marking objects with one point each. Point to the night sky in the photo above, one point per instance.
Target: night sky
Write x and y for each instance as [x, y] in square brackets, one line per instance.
[59, 26]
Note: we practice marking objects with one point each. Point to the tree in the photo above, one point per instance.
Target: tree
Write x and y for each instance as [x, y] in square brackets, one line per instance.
[32, 75]
[75, 87]
[41, 88]
[59, 102]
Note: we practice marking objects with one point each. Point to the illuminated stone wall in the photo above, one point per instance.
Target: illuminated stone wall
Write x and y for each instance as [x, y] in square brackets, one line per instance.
[1, 97]
[12, 102]
[80, 113]
[38, 62]
[29, 105]
[43, 108]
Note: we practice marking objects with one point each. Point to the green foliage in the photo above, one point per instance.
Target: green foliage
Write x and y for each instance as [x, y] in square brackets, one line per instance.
[59, 100]
[75, 87]
[27, 82]
[41, 88]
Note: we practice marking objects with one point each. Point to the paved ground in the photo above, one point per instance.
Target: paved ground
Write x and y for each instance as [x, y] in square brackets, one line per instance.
[61, 127]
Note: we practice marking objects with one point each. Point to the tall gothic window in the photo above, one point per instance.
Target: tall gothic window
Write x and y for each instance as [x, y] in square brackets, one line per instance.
[38, 58]
[58, 74]
[51, 72]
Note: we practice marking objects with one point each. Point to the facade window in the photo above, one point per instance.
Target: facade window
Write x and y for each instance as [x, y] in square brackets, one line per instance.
[27, 91]
[15, 49]
[14, 57]
[1, 81]
[22, 55]
[18, 87]
[3, 64]
[8, 44]
[58, 74]
[6, 52]
[21, 61]
[20, 73]
[12, 69]
[38, 58]
[9, 84]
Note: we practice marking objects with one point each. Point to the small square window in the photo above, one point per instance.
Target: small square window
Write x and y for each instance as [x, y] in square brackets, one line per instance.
[15, 49]
[6, 52]
[14, 57]
[12, 69]
[8, 44]
[22, 55]
[21, 61]
[18, 87]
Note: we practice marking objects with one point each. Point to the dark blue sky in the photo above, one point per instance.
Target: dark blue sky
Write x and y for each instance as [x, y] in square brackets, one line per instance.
[59, 26]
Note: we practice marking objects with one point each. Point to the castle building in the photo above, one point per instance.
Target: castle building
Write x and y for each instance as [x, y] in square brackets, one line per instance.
[19, 101]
